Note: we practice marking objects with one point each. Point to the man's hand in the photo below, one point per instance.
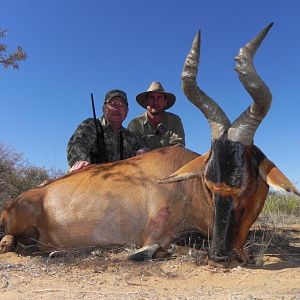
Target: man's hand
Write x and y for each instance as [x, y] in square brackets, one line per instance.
[79, 164]
[142, 151]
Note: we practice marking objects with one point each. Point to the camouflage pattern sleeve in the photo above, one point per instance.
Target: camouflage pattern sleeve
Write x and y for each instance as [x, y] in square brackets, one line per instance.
[139, 143]
[135, 127]
[133, 143]
[82, 142]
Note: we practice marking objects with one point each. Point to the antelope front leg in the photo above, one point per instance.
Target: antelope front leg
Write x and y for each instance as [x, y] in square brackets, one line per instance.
[157, 234]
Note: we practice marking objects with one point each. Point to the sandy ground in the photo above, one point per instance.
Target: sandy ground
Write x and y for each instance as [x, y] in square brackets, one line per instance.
[99, 273]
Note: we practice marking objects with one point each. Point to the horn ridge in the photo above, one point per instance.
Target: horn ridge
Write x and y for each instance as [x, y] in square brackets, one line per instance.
[244, 127]
[212, 111]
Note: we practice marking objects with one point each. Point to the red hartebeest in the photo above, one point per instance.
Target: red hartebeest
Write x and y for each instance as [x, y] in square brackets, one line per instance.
[219, 193]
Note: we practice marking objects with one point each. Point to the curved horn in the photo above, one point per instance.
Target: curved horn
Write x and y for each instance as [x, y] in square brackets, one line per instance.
[244, 127]
[217, 119]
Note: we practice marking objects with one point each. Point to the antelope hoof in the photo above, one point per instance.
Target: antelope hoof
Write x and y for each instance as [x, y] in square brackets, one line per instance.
[218, 258]
[145, 253]
[7, 244]
[232, 255]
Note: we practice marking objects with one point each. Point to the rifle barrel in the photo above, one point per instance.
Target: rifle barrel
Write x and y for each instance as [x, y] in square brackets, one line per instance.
[99, 138]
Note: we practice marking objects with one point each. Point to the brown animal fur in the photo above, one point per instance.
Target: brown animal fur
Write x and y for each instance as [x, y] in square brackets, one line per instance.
[115, 203]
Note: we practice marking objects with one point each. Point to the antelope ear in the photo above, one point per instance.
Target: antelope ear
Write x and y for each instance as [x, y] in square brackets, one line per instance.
[275, 178]
[194, 168]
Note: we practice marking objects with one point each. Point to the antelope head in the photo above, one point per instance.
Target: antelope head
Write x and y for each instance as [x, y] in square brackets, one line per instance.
[232, 170]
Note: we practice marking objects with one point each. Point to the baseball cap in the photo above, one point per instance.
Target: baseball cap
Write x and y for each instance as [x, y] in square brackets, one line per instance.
[115, 93]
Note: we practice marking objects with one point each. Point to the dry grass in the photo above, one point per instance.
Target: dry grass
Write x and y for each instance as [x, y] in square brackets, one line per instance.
[271, 234]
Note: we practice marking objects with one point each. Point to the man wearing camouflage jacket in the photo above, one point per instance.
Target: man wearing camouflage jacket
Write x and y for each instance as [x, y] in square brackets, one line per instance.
[118, 142]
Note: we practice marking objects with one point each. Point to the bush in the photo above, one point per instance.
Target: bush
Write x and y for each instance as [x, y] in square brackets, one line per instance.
[280, 209]
[17, 175]
[282, 203]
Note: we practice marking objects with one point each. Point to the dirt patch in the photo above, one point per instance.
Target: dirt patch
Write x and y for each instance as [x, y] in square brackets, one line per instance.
[106, 274]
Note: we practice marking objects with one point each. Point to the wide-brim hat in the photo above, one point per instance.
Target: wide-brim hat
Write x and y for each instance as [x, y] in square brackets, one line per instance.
[155, 86]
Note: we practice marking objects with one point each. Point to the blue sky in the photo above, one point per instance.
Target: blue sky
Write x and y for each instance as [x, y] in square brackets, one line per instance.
[78, 47]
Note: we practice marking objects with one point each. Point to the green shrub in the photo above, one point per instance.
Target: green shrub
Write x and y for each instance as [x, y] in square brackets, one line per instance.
[280, 209]
[282, 203]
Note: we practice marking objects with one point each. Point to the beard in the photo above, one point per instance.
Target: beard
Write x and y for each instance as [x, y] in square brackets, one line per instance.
[153, 111]
[156, 113]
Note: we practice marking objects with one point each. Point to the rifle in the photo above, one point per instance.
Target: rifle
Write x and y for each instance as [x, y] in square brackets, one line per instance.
[100, 156]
